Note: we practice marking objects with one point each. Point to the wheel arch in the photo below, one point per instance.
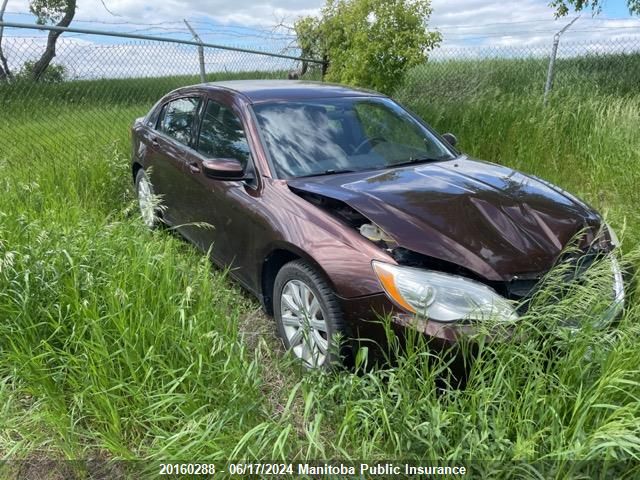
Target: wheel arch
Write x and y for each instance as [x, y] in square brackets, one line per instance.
[274, 261]
[135, 167]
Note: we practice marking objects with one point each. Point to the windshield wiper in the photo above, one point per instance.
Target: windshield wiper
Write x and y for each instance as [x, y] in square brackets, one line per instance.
[327, 172]
[412, 161]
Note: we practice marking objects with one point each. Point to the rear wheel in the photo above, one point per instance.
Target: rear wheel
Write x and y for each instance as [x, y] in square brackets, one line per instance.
[146, 199]
[308, 315]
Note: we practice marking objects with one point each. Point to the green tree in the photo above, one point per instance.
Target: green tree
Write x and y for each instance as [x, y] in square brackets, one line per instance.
[53, 73]
[563, 6]
[58, 12]
[369, 43]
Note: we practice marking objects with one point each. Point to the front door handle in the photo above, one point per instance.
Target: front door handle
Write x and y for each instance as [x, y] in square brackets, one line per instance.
[194, 167]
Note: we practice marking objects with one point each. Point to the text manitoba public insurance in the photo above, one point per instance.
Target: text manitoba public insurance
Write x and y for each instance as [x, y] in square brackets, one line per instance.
[381, 469]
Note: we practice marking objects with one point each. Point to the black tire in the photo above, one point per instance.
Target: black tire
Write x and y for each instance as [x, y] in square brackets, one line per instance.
[141, 176]
[301, 271]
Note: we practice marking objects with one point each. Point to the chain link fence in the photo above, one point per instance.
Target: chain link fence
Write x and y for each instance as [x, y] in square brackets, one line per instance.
[135, 72]
[598, 67]
[97, 84]
[76, 59]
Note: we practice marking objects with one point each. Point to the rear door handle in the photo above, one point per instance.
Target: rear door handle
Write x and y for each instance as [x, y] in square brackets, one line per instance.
[194, 167]
[154, 142]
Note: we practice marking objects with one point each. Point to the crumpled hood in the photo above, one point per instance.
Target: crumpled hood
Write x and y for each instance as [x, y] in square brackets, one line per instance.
[490, 219]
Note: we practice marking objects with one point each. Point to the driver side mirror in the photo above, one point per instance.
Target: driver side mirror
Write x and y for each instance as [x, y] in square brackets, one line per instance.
[451, 139]
[229, 169]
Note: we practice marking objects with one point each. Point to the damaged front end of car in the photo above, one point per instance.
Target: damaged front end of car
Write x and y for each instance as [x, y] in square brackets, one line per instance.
[446, 300]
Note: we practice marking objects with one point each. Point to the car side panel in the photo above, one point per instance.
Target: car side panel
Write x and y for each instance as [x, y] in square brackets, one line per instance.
[160, 159]
[168, 177]
[218, 214]
[255, 221]
[339, 251]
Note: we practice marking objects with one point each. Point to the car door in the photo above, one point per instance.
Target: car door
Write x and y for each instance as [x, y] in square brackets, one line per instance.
[221, 217]
[174, 133]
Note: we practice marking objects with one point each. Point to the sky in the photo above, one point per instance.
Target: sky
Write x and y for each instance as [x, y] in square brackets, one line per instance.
[464, 24]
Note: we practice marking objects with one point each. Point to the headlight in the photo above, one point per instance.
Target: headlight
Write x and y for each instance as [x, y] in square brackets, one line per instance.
[440, 296]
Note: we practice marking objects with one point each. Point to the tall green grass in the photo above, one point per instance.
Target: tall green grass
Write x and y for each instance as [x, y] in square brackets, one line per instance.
[463, 79]
[117, 342]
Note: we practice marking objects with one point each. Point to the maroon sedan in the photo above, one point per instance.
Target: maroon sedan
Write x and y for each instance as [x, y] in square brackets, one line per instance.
[335, 205]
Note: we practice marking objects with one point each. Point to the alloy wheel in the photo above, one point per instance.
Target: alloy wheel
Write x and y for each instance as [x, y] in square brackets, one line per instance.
[304, 322]
[146, 201]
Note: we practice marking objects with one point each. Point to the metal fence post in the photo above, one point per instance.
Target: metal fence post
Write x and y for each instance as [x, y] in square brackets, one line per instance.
[5, 73]
[203, 73]
[552, 61]
[552, 64]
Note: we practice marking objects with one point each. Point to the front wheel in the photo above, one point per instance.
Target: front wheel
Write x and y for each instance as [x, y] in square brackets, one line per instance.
[308, 316]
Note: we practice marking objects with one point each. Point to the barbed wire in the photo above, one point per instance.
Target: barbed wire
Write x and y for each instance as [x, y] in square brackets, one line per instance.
[531, 32]
[150, 24]
[555, 21]
[440, 27]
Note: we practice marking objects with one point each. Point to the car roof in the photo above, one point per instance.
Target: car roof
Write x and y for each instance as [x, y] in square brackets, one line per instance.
[273, 90]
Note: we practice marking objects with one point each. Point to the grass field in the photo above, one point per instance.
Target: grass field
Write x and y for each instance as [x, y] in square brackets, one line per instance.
[117, 342]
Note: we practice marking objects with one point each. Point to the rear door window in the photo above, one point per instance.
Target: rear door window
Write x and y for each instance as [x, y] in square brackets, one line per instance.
[177, 118]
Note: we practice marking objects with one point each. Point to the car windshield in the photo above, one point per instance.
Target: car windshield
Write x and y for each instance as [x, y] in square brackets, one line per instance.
[324, 136]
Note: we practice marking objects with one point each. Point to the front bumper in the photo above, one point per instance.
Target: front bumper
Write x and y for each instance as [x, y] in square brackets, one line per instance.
[364, 316]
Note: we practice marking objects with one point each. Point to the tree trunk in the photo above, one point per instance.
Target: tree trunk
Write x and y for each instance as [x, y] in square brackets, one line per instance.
[299, 73]
[43, 63]
[5, 73]
[325, 65]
